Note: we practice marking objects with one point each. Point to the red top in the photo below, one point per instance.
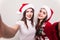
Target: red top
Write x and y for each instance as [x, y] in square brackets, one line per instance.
[55, 28]
[48, 29]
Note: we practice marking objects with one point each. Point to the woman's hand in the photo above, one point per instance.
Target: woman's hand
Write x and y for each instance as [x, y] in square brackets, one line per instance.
[6, 31]
[0, 26]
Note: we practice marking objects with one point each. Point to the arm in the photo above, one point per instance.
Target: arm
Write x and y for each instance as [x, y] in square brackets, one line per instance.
[59, 28]
[0, 28]
[6, 31]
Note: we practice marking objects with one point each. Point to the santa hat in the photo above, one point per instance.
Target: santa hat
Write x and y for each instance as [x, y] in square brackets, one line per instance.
[49, 12]
[25, 6]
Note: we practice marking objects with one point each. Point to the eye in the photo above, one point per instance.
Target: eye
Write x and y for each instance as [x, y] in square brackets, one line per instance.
[40, 11]
[31, 11]
[27, 11]
[44, 13]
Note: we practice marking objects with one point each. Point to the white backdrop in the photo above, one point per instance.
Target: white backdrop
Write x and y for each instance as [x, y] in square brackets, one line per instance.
[9, 8]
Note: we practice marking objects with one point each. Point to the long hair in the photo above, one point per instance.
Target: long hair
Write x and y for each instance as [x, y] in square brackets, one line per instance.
[38, 26]
[24, 18]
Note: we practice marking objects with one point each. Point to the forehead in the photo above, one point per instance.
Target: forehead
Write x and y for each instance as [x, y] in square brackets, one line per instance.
[29, 9]
[43, 9]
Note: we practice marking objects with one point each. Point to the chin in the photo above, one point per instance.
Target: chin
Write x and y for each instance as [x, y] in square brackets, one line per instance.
[39, 17]
[29, 18]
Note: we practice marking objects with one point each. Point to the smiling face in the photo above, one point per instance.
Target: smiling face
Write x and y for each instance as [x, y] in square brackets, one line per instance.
[42, 14]
[29, 13]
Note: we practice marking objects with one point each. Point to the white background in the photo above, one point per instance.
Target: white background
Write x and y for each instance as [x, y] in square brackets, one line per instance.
[9, 8]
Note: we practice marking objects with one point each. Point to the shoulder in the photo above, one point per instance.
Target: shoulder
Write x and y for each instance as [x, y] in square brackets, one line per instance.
[48, 24]
[19, 22]
[55, 23]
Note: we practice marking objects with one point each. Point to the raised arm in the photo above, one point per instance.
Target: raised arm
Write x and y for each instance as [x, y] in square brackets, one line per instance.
[6, 31]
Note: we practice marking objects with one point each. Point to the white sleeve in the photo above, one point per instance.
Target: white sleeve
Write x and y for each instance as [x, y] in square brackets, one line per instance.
[18, 22]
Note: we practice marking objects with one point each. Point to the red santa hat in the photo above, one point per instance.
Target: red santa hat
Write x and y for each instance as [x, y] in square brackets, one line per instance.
[49, 12]
[25, 6]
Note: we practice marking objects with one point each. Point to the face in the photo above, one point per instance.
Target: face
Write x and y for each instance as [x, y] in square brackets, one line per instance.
[29, 13]
[42, 14]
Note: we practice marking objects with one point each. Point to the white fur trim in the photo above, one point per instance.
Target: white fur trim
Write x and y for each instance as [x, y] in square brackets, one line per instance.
[27, 6]
[18, 12]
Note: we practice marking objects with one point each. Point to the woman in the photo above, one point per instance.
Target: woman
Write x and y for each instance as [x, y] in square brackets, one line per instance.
[43, 25]
[56, 31]
[25, 25]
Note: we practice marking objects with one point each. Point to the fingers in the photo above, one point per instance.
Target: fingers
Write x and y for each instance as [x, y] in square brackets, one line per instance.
[0, 20]
[0, 26]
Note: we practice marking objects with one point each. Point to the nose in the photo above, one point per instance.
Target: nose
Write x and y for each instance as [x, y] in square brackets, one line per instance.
[40, 13]
[29, 13]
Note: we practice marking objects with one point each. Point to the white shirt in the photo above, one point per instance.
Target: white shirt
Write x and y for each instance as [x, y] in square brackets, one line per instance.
[26, 34]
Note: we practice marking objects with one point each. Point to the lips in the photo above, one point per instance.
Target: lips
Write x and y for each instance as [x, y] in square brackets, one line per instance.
[40, 16]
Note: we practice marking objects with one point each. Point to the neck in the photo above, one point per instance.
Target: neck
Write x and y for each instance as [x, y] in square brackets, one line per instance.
[41, 21]
[28, 19]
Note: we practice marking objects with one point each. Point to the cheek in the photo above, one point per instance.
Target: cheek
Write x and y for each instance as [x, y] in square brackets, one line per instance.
[44, 16]
[31, 14]
[27, 14]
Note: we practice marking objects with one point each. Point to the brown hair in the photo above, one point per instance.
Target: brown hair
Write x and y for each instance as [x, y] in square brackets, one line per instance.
[44, 20]
[24, 18]
[38, 26]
